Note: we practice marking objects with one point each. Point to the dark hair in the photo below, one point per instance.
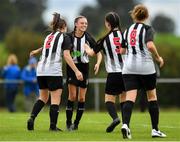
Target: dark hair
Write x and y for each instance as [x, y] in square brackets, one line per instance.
[139, 13]
[57, 22]
[76, 20]
[62, 24]
[113, 19]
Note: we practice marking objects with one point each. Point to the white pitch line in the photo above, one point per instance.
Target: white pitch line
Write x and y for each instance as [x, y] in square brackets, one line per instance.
[143, 125]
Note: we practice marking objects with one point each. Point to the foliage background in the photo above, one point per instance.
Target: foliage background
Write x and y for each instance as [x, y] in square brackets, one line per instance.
[22, 30]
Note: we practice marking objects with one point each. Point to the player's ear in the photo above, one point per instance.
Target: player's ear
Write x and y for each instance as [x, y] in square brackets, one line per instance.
[109, 26]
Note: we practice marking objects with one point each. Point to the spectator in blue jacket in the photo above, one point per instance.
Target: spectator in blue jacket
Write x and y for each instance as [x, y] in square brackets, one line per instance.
[11, 74]
[31, 89]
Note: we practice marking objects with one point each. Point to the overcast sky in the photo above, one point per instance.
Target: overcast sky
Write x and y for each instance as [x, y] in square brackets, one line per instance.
[68, 8]
[71, 8]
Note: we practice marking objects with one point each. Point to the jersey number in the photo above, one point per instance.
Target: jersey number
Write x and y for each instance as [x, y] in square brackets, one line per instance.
[117, 43]
[48, 42]
[133, 38]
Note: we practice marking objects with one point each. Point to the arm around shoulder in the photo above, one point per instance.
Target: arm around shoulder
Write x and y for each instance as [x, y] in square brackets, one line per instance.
[88, 50]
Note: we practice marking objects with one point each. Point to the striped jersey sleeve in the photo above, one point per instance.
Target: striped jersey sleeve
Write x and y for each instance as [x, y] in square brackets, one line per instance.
[149, 34]
[98, 47]
[91, 41]
[67, 44]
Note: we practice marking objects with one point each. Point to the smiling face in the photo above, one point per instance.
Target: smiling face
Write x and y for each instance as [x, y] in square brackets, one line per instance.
[81, 24]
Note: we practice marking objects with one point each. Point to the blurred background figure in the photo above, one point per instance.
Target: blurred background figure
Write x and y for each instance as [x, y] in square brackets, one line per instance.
[30, 90]
[11, 73]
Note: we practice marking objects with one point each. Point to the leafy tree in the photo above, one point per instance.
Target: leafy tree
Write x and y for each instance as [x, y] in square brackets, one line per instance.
[26, 14]
[95, 15]
[29, 14]
[168, 47]
[163, 24]
[7, 16]
[21, 42]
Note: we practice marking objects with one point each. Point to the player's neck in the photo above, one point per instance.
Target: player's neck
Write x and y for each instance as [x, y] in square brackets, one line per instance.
[138, 21]
[79, 33]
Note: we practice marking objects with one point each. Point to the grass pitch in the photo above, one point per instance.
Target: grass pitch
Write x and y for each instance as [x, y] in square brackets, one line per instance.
[92, 127]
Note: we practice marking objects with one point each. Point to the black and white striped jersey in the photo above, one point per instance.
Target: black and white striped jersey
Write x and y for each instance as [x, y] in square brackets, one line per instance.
[138, 59]
[78, 53]
[111, 49]
[50, 63]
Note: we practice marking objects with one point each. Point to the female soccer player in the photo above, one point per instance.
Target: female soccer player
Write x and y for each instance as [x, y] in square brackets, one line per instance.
[49, 72]
[62, 28]
[111, 44]
[139, 71]
[79, 37]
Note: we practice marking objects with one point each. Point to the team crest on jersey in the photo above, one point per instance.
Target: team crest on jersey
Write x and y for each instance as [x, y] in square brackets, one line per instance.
[75, 54]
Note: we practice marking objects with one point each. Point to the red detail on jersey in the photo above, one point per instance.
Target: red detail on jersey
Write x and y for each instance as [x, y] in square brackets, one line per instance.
[48, 43]
[116, 41]
[133, 37]
[118, 50]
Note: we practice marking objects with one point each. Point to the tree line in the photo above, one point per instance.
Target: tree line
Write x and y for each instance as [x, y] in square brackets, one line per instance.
[22, 30]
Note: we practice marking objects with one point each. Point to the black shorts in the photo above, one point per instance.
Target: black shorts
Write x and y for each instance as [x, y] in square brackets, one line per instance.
[71, 77]
[51, 83]
[132, 81]
[114, 84]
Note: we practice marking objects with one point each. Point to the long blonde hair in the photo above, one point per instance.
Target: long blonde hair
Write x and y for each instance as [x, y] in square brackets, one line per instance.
[12, 59]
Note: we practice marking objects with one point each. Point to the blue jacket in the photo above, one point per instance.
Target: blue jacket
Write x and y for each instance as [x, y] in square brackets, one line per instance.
[28, 75]
[11, 73]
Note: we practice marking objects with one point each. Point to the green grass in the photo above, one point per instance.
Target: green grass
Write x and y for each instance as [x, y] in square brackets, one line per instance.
[91, 128]
[169, 39]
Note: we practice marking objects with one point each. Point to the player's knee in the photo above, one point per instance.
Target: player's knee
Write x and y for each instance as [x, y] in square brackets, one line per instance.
[81, 99]
[152, 98]
[44, 98]
[72, 97]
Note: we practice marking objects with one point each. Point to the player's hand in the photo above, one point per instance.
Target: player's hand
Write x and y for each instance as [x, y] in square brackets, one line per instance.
[86, 46]
[32, 53]
[160, 61]
[79, 75]
[96, 69]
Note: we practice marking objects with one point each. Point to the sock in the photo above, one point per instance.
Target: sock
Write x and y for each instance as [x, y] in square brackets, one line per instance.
[127, 111]
[53, 113]
[69, 112]
[121, 108]
[111, 110]
[37, 108]
[154, 113]
[142, 100]
[79, 113]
